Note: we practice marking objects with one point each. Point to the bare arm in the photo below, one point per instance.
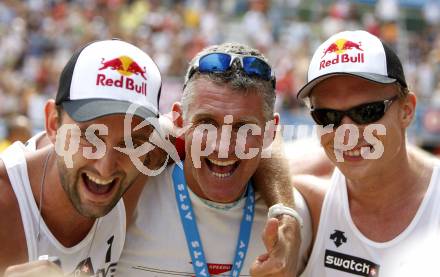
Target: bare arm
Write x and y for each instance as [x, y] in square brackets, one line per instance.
[13, 248]
[313, 190]
[272, 178]
[281, 237]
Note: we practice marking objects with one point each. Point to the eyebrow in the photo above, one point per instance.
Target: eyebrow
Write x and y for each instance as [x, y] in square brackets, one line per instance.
[247, 120]
[83, 129]
[139, 136]
[242, 120]
[201, 116]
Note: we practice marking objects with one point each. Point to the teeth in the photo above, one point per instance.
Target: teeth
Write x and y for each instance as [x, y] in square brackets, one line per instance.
[99, 181]
[353, 153]
[221, 175]
[221, 163]
[365, 152]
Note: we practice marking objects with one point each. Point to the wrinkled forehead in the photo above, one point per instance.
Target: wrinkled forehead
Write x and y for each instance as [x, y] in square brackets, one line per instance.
[222, 100]
[217, 88]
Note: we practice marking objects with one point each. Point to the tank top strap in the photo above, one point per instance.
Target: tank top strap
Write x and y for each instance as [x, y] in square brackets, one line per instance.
[16, 167]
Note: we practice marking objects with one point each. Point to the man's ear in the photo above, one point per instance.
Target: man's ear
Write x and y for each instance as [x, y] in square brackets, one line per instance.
[408, 108]
[177, 114]
[270, 133]
[276, 122]
[51, 120]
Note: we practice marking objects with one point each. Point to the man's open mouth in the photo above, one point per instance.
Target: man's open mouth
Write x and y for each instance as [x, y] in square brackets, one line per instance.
[222, 169]
[98, 185]
[359, 152]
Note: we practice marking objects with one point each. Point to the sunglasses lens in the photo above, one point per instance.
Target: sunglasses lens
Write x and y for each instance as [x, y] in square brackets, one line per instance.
[215, 62]
[326, 117]
[367, 113]
[256, 66]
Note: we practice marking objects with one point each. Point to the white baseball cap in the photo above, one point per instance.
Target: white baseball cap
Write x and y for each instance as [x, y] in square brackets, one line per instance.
[356, 53]
[107, 77]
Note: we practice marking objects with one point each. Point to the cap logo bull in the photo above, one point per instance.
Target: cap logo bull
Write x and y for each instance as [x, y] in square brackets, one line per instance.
[340, 47]
[124, 65]
[127, 67]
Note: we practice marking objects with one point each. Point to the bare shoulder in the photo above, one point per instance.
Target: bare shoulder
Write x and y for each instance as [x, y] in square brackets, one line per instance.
[7, 196]
[310, 185]
[306, 156]
[12, 233]
[313, 189]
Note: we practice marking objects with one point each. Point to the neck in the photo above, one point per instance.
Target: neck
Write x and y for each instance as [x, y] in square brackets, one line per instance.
[408, 176]
[57, 211]
[191, 182]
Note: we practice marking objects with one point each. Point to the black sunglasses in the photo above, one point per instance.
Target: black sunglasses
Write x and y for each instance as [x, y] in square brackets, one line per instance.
[361, 114]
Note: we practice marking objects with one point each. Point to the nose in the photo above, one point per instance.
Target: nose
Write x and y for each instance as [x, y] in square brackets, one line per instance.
[224, 142]
[108, 164]
[347, 120]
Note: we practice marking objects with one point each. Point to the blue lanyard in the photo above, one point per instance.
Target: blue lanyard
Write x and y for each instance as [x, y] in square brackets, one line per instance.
[189, 224]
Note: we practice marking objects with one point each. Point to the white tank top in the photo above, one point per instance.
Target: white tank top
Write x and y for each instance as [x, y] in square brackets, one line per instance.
[96, 255]
[156, 244]
[341, 250]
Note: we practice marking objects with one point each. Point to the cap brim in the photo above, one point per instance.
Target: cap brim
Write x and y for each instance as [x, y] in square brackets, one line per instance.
[305, 91]
[89, 109]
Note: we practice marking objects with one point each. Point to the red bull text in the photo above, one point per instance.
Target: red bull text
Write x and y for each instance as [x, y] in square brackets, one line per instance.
[339, 47]
[126, 67]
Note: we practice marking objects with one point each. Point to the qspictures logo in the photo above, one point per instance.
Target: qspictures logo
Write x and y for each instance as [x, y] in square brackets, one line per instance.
[350, 264]
[342, 48]
[127, 67]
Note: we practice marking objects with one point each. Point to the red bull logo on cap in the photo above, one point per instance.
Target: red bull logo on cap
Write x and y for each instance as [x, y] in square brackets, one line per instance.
[339, 47]
[127, 67]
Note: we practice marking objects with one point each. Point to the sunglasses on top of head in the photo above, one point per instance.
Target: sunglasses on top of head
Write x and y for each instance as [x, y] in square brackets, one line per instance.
[222, 62]
[362, 114]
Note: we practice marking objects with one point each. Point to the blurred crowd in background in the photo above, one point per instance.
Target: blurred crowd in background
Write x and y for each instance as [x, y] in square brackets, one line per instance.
[38, 36]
